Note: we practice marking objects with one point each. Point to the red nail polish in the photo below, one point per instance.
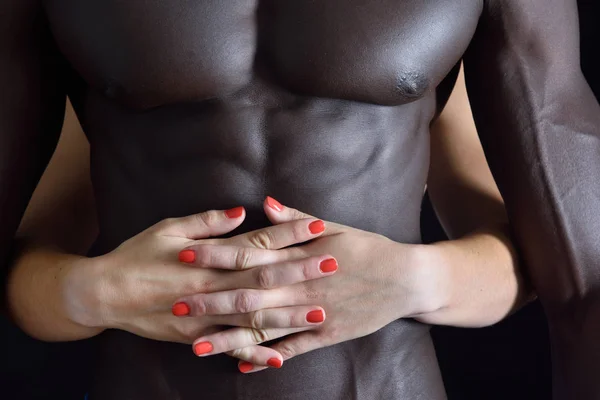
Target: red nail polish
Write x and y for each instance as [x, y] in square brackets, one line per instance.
[316, 227]
[203, 348]
[234, 212]
[245, 367]
[274, 204]
[274, 362]
[180, 309]
[315, 317]
[187, 256]
[329, 265]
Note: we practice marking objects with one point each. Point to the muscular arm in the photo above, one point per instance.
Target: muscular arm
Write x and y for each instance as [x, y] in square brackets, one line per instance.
[540, 128]
[481, 281]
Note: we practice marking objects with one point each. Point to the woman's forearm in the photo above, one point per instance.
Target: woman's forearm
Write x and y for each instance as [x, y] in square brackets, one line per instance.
[50, 294]
[479, 279]
[60, 222]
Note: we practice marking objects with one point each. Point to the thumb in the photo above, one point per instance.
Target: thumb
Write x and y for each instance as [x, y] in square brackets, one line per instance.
[203, 225]
[279, 214]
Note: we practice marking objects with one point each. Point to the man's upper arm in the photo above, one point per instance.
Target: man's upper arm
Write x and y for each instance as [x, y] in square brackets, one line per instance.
[31, 111]
[540, 127]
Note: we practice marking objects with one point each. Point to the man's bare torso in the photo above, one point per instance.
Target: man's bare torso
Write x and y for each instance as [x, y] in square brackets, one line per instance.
[325, 105]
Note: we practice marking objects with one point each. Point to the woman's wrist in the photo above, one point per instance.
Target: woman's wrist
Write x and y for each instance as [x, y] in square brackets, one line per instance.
[83, 291]
[427, 277]
[477, 280]
[47, 294]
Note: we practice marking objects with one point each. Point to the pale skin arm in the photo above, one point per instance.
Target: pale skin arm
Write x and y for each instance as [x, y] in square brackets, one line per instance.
[483, 283]
[57, 228]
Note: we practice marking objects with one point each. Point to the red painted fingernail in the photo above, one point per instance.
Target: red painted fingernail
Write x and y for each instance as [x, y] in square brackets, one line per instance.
[234, 212]
[245, 367]
[274, 362]
[203, 348]
[187, 256]
[274, 204]
[180, 309]
[315, 317]
[329, 265]
[316, 227]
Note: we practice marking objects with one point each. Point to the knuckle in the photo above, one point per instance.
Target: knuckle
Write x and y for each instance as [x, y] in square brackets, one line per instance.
[203, 256]
[244, 302]
[208, 218]
[262, 239]
[294, 320]
[297, 253]
[236, 353]
[198, 304]
[164, 225]
[243, 257]
[310, 294]
[257, 320]
[259, 335]
[306, 268]
[298, 232]
[287, 350]
[301, 215]
[265, 278]
[188, 333]
[295, 214]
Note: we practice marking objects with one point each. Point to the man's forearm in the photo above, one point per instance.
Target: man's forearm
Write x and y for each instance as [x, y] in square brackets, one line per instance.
[41, 297]
[479, 280]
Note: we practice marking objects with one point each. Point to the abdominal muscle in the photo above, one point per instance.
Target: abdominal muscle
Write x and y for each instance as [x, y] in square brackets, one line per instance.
[397, 362]
[360, 165]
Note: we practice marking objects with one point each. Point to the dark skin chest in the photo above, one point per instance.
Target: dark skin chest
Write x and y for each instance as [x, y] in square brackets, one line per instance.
[199, 105]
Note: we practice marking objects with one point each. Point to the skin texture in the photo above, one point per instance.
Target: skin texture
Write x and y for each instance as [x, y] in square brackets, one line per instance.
[471, 210]
[334, 123]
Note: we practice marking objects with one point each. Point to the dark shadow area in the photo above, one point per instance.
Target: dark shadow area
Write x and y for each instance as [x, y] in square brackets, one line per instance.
[30, 369]
[589, 21]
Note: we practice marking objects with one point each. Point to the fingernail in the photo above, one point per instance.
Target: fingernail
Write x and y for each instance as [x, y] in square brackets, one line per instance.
[234, 212]
[180, 309]
[187, 256]
[245, 367]
[315, 317]
[203, 348]
[274, 204]
[274, 362]
[329, 265]
[316, 227]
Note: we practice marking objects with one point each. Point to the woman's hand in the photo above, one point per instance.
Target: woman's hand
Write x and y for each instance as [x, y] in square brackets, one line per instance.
[378, 282]
[135, 287]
